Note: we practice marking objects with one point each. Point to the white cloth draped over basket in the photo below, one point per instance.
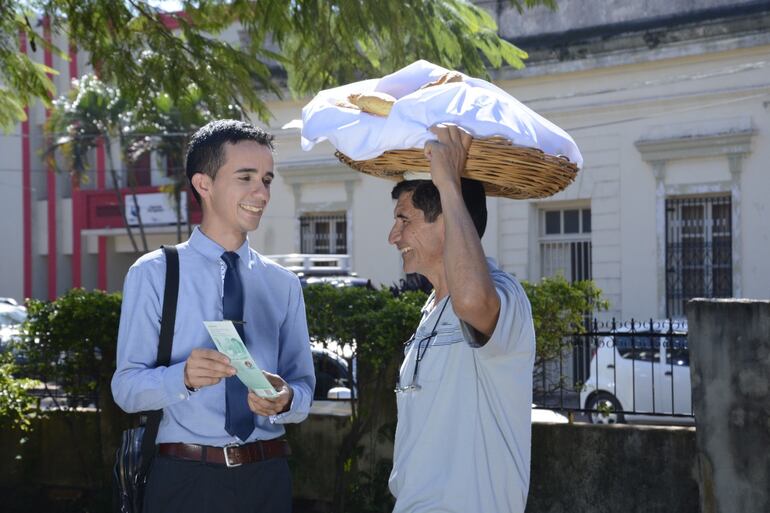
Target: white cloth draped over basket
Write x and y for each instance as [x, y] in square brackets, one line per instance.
[482, 108]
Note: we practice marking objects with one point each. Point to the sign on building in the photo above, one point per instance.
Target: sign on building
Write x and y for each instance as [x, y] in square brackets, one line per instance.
[156, 208]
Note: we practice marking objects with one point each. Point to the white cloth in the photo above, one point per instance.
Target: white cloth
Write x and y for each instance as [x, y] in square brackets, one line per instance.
[481, 108]
[463, 440]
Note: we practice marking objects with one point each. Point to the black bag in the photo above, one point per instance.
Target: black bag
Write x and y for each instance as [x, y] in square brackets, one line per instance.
[137, 445]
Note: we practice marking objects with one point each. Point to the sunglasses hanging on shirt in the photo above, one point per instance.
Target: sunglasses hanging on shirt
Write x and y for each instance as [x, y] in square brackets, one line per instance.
[422, 348]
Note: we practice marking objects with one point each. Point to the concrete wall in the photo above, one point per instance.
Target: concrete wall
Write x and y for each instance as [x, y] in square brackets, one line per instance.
[577, 468]
[577, 14]
[582, 468]
[730, 365]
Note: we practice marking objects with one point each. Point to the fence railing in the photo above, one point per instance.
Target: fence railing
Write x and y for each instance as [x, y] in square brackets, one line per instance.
[614, 370]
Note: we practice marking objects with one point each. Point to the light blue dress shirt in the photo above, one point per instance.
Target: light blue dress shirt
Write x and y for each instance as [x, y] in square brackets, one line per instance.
[275, 329]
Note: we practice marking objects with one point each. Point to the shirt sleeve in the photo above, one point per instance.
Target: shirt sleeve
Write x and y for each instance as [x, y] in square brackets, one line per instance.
[295, 361]
[138, 385]
[514, 331]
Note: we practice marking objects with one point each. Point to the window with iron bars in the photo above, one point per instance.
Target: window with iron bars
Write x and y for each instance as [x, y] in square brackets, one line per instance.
[565, 247]
[565, 243]
[324, 233]
[698, 250]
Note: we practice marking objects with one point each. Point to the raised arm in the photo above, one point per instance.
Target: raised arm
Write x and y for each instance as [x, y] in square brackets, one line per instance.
[474, 297]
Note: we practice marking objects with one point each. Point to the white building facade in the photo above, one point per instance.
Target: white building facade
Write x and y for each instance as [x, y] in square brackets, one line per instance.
[669, 103]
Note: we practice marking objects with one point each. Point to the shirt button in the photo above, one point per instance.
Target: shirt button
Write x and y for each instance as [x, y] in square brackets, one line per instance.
[182, 396]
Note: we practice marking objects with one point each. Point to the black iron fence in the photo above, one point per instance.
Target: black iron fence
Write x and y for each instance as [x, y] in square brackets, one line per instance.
[615, 370]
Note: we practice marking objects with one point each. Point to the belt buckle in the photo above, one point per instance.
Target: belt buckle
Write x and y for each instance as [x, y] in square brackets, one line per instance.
[227, 456]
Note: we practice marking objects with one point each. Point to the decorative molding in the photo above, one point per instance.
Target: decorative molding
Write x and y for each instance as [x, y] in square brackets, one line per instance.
[732, 140]
[322, 208]
[316, 171]
[735, 163]
[299, 174]
[696, 146]
[658, 170]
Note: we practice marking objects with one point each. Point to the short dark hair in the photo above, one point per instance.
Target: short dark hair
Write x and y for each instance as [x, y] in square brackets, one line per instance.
[425, 196]
[206, 152]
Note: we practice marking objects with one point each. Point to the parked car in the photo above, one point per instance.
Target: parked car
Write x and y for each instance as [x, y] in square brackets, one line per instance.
[335, 281]
[321, 268]
[331, 374]
[11, 317]
[641, 375]
[331, 369]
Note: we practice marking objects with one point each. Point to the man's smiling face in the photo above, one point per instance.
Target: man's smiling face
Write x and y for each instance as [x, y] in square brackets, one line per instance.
[421, 243]
[239, 193]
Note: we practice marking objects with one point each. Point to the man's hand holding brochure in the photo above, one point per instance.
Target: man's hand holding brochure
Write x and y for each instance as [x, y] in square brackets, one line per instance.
[229, 343]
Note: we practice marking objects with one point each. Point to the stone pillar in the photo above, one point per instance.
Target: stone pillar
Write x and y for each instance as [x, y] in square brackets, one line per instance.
[729, 343]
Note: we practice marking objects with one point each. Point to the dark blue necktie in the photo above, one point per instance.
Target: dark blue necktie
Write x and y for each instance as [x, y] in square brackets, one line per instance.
[239, 419]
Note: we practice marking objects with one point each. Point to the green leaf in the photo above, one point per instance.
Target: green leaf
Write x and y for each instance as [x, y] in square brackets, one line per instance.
[11, 110]
[318, 44]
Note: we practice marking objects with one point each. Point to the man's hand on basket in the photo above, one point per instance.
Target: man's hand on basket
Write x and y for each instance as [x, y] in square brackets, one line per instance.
[447, 155]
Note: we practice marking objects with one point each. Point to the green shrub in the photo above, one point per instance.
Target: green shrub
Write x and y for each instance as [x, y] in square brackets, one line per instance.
[559, 309]
[17, 406]
[72, 340]
[376, 323]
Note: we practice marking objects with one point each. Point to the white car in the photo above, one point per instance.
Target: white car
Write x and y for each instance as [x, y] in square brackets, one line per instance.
[642, 375]
[11, 318]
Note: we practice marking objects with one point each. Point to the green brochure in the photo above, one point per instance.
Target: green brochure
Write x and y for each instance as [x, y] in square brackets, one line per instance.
[228, 342]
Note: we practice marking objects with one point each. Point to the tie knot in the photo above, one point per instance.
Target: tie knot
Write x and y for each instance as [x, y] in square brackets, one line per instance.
[231, 259]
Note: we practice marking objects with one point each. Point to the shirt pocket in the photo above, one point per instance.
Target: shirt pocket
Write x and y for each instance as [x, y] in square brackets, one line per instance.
[438, 353]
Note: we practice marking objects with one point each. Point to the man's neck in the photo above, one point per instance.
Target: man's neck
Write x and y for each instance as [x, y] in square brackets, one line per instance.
[231, 240]
[440, 285]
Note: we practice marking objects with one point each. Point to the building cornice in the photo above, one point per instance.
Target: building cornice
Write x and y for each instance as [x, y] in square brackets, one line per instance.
[696, 146]
[641, 41]
[316, 171]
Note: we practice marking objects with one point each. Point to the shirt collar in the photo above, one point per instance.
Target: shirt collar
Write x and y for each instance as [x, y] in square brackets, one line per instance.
[200, 242]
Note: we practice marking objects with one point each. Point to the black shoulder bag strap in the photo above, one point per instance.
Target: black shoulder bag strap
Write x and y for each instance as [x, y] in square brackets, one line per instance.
[170, 295]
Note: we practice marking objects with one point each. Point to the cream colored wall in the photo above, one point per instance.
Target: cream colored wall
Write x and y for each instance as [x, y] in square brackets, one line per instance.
[11, 198]
[12, 259]
[607, 112]
[755, 203]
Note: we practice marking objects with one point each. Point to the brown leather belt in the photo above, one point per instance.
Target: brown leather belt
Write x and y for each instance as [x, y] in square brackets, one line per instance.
[230, 455]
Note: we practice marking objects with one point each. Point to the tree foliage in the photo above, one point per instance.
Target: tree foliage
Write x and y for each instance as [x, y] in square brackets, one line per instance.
[559, 309]
[314, 43]
[17, 406]
[93, 112]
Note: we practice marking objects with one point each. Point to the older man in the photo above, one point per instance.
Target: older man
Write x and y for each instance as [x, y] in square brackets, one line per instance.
[465, 386]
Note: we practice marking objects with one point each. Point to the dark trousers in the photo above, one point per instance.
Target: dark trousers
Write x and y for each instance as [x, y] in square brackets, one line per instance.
[192, 487]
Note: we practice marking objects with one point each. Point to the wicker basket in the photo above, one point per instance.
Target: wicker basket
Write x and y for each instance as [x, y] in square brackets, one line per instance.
[506, 170]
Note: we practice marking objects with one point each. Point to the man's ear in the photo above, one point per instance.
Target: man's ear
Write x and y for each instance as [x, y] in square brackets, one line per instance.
[202, 184]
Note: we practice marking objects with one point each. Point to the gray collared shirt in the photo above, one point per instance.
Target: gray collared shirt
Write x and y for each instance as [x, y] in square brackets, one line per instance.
[463, 438]
[275, 329]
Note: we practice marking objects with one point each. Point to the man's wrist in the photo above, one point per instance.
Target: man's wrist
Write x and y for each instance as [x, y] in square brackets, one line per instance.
[287, 406]
[187, 385]
[449, 186]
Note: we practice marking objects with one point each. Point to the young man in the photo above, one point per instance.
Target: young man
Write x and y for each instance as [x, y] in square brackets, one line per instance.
[465, 387]
[220, 446]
